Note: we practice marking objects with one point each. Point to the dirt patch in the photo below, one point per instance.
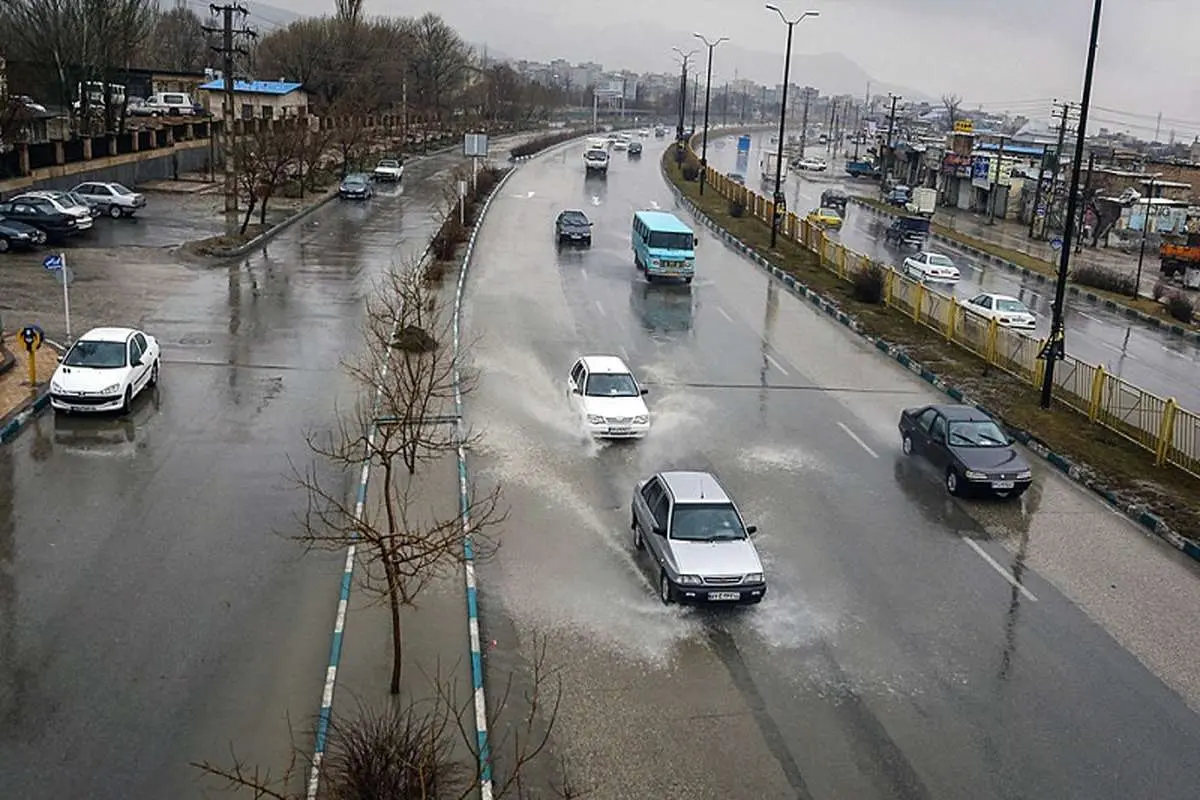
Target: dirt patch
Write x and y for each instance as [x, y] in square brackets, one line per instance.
[1113, 461]
[221, 245]
[15, 390]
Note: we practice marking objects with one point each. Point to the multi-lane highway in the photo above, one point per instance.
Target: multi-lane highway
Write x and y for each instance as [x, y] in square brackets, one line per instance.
[152, 610]
[1147, 357]
[910, 646]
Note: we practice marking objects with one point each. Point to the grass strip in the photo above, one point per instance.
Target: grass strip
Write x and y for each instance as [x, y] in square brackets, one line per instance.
[1106, 458]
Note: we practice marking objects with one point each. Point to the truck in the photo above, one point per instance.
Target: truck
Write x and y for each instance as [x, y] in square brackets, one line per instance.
[1180, 253]
[595, 159]
[862, 169]
[923, 202]
[768, 165]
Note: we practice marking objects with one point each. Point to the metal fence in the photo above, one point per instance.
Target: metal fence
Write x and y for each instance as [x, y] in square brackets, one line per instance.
[1152, 422]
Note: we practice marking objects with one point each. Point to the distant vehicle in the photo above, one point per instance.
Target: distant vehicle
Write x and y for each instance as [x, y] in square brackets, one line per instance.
[644, 133]
[573, 226]
[608, 398]
[113, 199]
[1179, 253]
[635, 148]
[931, 268]
[911, 231]
[30, 104]
[388, 169]
[166, 104]
[44, 215]
[16, 235]
[968, 447]
[825, 218]
[835, 199]
[767, 166]
[697, 538]
[598, 143]
[1009, 312]
[898, 196]
[738, 178]
[595, 159]
[812, 163]
[356, 186]
[923, 201]
[663, 247]
[862, 169]
[97, 96]
[659, 131]
[620, 143]
[104, 370]
[66, 202]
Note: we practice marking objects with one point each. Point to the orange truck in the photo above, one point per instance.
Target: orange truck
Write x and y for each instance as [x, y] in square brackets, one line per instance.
[1179, 253]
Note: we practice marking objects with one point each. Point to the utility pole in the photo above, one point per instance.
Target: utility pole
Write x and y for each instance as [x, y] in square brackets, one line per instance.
[833, 128]
[228, 50]
[995, 192]
[742, 115]
[762, 107]
[725, 106]
[887, 163]
[1087, 194]
[804, 122]
[1062, 137]
[695, 98]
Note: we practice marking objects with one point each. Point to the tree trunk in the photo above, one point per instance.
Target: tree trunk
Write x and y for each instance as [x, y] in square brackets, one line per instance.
[389, 571]
[249, 212]
[262, 210]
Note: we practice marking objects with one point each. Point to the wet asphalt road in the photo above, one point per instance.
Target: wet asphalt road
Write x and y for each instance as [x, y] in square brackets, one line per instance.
[891, 658]
[1153, 360]
[152, 610]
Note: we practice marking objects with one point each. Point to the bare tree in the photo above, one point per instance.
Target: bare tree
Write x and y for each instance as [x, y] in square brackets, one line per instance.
[441, 63]
[14, 121]
[313, 142]
[951, 102]
[177, 40]
[265, 156]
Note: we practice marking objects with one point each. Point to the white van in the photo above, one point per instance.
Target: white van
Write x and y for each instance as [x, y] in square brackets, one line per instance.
[166, 104]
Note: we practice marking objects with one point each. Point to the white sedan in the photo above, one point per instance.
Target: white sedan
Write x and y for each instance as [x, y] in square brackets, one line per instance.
[104, 370]
[608, 398]
[931, 267]
[813, 164]
[1008, 311]
[113, 199]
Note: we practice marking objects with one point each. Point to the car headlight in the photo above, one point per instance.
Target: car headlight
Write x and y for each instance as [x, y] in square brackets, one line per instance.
[595, 419]
[689, 580]
[975, 475]
[754, 577]
[641, 420]
[654, 262]
[116, 387]
[1024, 475]
[55, 386]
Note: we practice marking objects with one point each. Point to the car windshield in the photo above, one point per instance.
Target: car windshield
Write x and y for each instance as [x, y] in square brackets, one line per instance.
[1015, 306]
[976, 433]
[574, 219]
[596, 153]
[706, 523]
[671, 241]
[389, 163]
[120, 189]
[829, 212]
[96, 355]
[940, 261]
[354, 179]
[611, 385]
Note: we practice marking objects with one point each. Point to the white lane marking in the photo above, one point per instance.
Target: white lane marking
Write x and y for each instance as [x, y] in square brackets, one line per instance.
[856, 438]
[1086, 315]
[583, 272]
[1008, 576]
[1166, 349]
[600, 308]
[775, 364]
[724, 314]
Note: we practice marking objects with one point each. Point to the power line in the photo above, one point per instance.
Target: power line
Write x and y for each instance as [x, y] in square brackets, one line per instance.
[228, 50]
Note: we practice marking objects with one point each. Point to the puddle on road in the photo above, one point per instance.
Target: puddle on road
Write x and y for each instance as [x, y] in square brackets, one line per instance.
[768, 458]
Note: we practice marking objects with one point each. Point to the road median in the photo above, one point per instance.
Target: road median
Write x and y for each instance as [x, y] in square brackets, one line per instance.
[1160, 497]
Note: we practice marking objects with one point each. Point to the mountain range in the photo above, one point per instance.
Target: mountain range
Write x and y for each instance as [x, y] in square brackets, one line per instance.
[640, 47]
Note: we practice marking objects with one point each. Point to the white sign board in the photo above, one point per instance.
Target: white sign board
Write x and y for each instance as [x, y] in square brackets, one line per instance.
[475, 145]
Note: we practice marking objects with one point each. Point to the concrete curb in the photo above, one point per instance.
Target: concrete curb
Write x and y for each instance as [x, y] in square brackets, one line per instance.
[477, 677]
[1079, 473]
[1072, 289]
[24, 413]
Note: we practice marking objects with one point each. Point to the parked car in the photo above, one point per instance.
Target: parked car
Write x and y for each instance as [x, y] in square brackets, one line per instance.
[697, 538]
[572, 226]
[166, 104]
[65, 202]
[1009, 312]
[931, 268]
[608, 398]
[356, 186]
[113, 199]
[104, 370]
[44, 215]
[968, 447]
[388, 169]
[16, 235]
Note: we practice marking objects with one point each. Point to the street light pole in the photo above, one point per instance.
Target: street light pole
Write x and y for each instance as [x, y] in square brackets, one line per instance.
[779, 201]
[1137, 282]
[683, 71]
[1054, 345]
[707, 94]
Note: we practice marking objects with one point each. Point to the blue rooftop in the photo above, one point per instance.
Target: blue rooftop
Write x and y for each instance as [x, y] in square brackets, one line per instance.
[663, 221]
[254, 87]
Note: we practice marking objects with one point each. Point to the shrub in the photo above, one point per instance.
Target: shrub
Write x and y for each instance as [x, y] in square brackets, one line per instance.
[1103, 278]
[1160, 289]
[541, 143]
[869, 283]
[1181, 308]
[736, 208]
[449, 237]
[691, 170]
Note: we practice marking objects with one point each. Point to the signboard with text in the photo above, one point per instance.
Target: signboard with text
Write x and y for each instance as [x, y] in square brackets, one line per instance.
[964, 126]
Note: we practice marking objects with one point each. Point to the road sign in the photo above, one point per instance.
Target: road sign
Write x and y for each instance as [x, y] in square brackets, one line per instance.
[57, 264]
[1056, 244]
[53, 262]
[475, 145]
[33, 336]
[1041, 211]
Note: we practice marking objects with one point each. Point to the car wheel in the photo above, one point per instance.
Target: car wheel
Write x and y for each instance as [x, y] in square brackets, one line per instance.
[154, 373]
[906, 444]
[665, 592]
[115, 212]
[3, 245]
[127, 404]
[687, 280]
[953, 486]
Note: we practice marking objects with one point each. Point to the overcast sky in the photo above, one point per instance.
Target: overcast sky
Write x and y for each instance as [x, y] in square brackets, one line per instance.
[988, 51]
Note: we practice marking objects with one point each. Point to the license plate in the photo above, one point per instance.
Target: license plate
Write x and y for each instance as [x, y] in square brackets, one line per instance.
[724, 596]
[1003, 484]
[620, 429]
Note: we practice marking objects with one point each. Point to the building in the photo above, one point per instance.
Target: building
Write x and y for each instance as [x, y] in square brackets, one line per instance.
[256, 99]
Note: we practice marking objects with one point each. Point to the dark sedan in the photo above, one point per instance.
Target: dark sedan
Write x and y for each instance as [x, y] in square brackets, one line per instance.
[356, 187]
[573, 226]
[968, 447]
[18, 236]
[635, 149]
[43, 215]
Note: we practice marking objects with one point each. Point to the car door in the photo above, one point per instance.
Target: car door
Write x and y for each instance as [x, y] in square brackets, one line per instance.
[653, 514]
[937, 451]
[575, 384]
[982, 304]
[920, 433]
[146, 357]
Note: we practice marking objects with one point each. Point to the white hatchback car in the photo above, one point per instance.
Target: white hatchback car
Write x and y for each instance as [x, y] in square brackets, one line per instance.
[104, 370]
[1008, 311]
[931, 267]
[608, 398]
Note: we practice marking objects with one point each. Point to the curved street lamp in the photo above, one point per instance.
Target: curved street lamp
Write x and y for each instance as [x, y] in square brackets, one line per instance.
[707, 94]
[683, 70]
[779, 199]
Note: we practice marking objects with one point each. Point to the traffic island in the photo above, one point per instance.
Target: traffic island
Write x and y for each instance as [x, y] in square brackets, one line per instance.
[1163, 499]
[20, 400]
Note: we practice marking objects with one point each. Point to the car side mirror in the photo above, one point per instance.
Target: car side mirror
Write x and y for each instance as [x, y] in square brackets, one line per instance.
[751, 530]
[659, 530]
[645, 392]
[59, 358]
[576, 390]
[137, 362]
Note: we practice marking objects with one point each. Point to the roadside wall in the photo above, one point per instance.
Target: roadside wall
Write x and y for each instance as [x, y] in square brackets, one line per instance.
[129, 169]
